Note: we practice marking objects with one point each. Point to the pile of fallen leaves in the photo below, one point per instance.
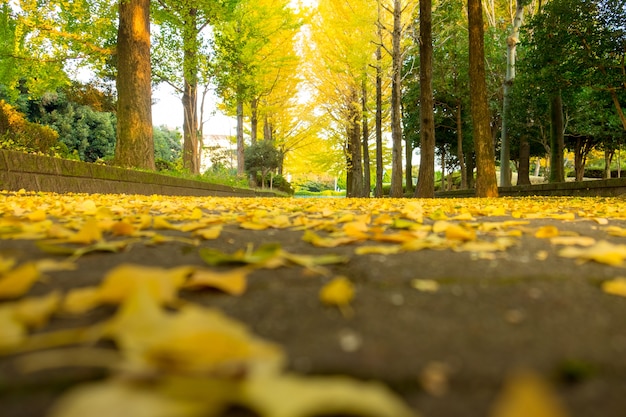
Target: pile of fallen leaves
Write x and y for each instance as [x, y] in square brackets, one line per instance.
[176, 358]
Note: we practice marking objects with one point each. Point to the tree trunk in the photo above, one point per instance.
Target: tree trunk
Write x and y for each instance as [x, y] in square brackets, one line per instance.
[378, 192]
[608, 158]
[354, 161]
[396, 99]
[191, 154]
[557, 141]
[367, 181]
[254, 120]
[523, 172]
[579, 159]
[459, 145]
[511, 43]
[135, 144]
[486, 185]
[426, 176]
[267, 130]
[240, 144]
[442, 150]
[408, 162]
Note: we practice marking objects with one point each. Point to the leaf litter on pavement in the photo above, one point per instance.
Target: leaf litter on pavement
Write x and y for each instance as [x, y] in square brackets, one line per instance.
[180, 359]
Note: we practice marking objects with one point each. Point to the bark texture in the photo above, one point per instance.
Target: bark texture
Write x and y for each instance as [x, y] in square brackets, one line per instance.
[426, 178]
[486, 185]
[396, 99]
[135, 144]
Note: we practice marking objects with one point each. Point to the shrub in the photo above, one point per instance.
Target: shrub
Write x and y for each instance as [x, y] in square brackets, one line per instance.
[16, 133]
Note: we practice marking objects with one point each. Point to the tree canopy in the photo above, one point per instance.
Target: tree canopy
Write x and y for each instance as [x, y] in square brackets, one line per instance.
[316, 81]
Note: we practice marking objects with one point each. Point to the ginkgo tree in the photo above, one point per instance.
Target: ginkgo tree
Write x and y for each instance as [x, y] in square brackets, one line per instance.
[253, 54]
[43, 42]
[341, 49]
[181, 51]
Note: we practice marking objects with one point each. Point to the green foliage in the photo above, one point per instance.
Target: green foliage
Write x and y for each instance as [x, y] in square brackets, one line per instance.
[315, 186]
[280, 183]
[262, 156]
[224, 176]
[167, 144]
[87, 133]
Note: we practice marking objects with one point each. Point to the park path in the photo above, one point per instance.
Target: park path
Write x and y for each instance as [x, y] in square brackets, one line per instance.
[447, 301]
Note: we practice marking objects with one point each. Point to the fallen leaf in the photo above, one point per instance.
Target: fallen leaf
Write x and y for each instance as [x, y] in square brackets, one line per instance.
[527, 394]
[546, 232]
[425, 285]
[119, 397]
[338, 292]
[233, 282]
[194, 340]
[18, 281]
[12, 332]
[209, 233]
[295, 396]
[602, 252]
[89, 233]
[573, 241]
[161, 283]
[615, 286]
[35, 311]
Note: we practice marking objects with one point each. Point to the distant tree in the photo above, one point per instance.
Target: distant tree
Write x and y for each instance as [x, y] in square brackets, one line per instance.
[261, 156]
[167, 143]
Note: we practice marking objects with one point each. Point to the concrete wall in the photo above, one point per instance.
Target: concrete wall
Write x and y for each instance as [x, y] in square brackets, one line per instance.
[41, 173]
[594, 188]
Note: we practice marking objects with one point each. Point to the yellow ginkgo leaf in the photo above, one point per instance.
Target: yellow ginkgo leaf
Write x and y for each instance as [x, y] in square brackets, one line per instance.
[457, 232]
[194, 340]
[425, 285]
[35, 311]
[119, 397]
[37, 216]
[209, 233]
[527, 394]
[122, 228]
[162, 283]
[81, 300]
[251, 225]
[602, 252]
[161, 223]
[295, 396]
[12, 332]
[18, 281]
[615, 286]
[378, 250]
[573, 241]
[89, 233]
[233, 282]
[338, 292]
[546, 232]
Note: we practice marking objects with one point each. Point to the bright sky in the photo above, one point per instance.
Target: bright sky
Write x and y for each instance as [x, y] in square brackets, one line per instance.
[168, 110]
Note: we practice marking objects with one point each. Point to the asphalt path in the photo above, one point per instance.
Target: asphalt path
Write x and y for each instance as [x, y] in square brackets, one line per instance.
[447, 351]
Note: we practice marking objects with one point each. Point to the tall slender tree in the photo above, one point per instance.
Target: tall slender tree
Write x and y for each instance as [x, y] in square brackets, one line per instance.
[426, 179]
[511, 48]
[396, 101]
[486, 185]
[135, 146]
